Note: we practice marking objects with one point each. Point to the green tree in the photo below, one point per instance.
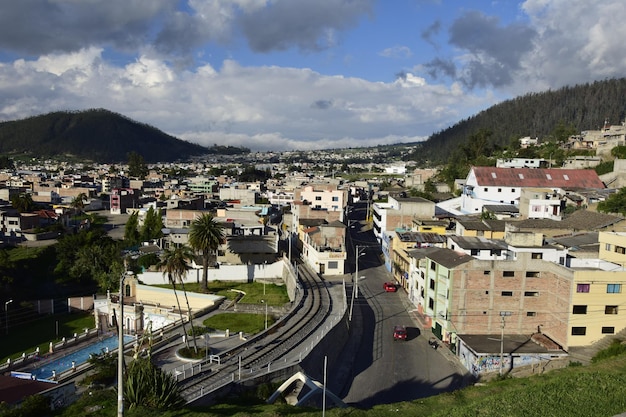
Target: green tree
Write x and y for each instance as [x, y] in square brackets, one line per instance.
[23, 202]
[174, 264]
[205, 236]
[131, 230]
[616, 203]
[150, 387]
[137, 168]
[619, 152]
[78, 202]
[152, 225]
[6, 163]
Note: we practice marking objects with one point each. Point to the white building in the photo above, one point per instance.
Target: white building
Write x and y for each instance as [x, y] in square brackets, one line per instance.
[492, 185]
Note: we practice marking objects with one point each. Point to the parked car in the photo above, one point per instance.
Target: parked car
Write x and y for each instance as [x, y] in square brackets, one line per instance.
[390, 287]
[399, 333]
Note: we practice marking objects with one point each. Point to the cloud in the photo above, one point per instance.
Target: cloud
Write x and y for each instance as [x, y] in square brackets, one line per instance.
[43, 26]
[578, 41]
[431, 31]
[307, 25]
[494, 52]
[396, 52]
[263, 108]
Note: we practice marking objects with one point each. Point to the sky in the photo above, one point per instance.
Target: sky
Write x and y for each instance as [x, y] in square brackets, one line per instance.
[282, 75]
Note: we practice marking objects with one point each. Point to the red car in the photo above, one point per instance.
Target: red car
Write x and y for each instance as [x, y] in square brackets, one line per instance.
[399, 333]
[390, 287]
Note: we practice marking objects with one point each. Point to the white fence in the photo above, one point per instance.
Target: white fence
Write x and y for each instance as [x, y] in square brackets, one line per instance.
[247, 273]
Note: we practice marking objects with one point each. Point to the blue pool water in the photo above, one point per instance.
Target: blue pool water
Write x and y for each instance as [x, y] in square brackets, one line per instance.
[78, 357]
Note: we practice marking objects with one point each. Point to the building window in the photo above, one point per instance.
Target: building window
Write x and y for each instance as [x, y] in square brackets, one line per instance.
[499, 190]
[431, 303]
[335, 198]
[620, 249]
[486, 272]
[608, 330]
[431, 284]
[607, 246]
[513, 189]
[531, 313]
[508, 274]
[610, 309]
[579, 310]
[495, 252]
[485, 189]
[582, 288]
[507, 293]
[475, 252]
[531, 293]
[536, 255]
[579, 331]
[318, 198]
[333, 265]
[532, 274]
[433, 267]
[613, 288]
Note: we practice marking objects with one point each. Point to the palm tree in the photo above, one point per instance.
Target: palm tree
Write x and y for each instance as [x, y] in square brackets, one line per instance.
[78, 202]
[205, 236]
[174, 263]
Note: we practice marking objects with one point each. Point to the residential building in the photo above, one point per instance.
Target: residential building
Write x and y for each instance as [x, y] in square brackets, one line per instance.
[490, 185]
[541, 203]
[399, 213]
[323, 247]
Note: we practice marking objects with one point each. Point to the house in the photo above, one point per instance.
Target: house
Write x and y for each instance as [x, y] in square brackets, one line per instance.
[400, 212]
[323, 247]
[540, 203]
[490, 185]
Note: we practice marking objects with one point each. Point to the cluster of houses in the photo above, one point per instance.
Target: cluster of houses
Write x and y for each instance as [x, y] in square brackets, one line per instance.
[519, 251]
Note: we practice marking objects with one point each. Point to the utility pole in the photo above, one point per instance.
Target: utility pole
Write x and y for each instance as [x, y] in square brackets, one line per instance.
[503, 314]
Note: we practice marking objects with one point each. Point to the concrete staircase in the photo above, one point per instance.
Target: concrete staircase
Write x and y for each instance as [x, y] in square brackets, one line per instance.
[584, 354]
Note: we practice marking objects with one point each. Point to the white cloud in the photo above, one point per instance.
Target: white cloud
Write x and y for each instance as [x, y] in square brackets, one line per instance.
[258, 107]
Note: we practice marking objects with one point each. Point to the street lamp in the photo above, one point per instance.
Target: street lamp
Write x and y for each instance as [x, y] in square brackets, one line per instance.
[355, 285]
[6, 314]
[503, 314]
[120, 348]
[263, 301]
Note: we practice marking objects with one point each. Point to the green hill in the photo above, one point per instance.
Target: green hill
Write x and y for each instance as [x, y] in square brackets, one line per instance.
[98, 135]
[583, 107]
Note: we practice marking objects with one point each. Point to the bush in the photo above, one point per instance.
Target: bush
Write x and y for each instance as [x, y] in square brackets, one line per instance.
[617, 348]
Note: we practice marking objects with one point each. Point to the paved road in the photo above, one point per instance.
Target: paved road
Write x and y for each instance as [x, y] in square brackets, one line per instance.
[387, 371]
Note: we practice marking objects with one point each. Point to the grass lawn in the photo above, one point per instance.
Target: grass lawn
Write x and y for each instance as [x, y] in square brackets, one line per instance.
[238, 322]
[25, 337]
[275, 295]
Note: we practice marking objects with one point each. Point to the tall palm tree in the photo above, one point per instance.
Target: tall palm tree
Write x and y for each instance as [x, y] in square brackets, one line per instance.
[174, 263]
[78, 202]
[205, 236]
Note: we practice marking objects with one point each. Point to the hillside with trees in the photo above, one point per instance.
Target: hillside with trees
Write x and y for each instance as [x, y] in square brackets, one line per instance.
[98, 135]
[577, 108]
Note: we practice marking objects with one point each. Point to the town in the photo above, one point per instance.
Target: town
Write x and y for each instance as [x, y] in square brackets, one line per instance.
[513, 269]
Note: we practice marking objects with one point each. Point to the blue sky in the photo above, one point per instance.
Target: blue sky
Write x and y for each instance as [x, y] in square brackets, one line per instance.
[299, 74]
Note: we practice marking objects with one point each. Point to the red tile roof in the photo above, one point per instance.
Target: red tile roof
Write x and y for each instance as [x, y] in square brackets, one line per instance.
[539, 177]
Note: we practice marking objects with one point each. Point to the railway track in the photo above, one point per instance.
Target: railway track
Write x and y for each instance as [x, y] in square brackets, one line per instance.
[259, 353]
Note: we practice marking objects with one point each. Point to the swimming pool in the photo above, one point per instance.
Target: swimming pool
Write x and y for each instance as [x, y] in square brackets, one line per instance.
[59, 365]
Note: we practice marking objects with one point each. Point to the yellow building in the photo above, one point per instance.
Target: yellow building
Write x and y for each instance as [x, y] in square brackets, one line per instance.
[613, 247]
[597, 305]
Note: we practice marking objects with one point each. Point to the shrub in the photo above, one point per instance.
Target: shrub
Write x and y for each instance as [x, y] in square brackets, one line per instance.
[615, 349]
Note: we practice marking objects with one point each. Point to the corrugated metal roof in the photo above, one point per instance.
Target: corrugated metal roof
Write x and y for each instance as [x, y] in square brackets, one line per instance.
[537, 177]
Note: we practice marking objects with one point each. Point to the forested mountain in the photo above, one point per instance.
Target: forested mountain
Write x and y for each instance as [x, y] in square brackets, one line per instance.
[98, 135]
[583, 107]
